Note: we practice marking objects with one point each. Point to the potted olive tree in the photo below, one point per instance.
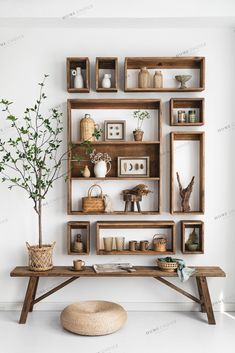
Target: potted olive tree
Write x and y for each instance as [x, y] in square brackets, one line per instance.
[138, 133]
[29, 160]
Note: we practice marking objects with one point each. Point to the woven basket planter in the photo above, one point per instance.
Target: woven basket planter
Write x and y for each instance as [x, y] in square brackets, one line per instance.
[167, 266]
[93, 203]
[40, 259]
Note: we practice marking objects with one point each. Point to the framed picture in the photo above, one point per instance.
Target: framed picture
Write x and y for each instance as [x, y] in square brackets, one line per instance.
[133, 166]
[115, 130]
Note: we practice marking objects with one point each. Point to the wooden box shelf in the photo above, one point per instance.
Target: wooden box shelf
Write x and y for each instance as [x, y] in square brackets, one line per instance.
[106, 65]
[186, 228]
[149, 148]
[143, 230]
[82, 228]
[84, 64]
[192, 144]
[186, 104]
[177, 65]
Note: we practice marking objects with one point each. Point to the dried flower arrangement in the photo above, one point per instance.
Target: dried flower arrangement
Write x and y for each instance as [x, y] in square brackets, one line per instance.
[97, 157]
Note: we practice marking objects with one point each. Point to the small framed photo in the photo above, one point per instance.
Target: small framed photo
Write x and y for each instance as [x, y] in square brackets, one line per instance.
[133, 166]
[115, 130]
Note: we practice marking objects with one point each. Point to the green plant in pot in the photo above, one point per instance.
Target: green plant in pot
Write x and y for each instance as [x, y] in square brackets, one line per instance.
[193, 241]
[140, 115]
[29, 160]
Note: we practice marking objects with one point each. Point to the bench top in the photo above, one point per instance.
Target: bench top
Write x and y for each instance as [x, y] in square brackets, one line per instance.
[141, 271]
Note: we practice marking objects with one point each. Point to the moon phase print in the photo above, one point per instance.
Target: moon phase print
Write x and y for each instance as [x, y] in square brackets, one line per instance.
[133, 166]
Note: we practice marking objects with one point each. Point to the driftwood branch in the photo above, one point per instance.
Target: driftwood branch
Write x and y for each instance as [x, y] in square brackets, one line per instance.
[185, 194]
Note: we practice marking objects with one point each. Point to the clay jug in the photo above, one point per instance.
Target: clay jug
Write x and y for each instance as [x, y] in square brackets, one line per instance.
[144, 78]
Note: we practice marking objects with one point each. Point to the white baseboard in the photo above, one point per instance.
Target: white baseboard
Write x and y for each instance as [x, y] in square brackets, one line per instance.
[131, 306]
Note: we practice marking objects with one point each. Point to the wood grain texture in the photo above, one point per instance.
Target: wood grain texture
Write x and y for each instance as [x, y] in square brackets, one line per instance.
[159, 63]
[29, 297]
[110, 63]
[141, 271]
[188, 136]
[71, 64]
[206, 300]
[78, 225]
[191, 224]
[187, 103]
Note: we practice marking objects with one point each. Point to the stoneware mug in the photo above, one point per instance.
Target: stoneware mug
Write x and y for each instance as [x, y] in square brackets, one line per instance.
[144, 245]
[132, 245]
[78, 265]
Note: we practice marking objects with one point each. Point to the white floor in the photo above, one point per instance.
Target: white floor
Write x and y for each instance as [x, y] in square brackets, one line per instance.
[177, 332]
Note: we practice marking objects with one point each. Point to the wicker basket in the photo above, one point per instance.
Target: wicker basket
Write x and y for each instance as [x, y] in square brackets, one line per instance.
[167, 266]
[93, 203]
[87, 127]
[40, 259]
[159, 243]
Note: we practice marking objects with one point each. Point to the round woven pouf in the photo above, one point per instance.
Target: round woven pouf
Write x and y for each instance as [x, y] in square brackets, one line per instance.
[93, 318]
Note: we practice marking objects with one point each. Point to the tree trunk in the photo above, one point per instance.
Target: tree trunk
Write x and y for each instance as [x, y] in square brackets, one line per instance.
[40, 223]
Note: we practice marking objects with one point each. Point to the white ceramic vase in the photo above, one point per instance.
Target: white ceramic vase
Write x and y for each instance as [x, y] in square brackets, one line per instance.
[106, 82]
[101, 170]
[78, 79]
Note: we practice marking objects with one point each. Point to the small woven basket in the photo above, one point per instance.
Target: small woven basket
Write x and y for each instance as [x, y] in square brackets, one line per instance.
[167, 266]
[159, 243]
[40, 259]
[93, 203]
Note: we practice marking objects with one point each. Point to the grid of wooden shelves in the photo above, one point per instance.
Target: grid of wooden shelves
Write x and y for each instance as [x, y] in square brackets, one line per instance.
[188, 136]
[160, 63]
[82, 227]
[126, 148]
[199, 227]
[155, 225]
[84, 64]
[187, 103]
[106, 65]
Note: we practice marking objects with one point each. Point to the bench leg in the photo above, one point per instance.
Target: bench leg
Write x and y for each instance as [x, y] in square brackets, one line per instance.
[206, 300]
[31, 289]
[34, 294]
[203, 309]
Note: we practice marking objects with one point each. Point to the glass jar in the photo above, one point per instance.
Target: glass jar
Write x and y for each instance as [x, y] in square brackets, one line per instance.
[181, 117]
[192, 116]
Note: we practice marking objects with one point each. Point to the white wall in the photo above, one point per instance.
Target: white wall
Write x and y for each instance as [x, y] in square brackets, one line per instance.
[25, 55]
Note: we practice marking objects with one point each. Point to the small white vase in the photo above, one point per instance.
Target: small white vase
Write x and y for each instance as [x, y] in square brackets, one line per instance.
[106, 82]
[78, 79]
[100, 169]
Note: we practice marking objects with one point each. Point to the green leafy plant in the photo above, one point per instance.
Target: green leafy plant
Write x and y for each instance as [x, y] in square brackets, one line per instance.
[140, 115]
[30, 160]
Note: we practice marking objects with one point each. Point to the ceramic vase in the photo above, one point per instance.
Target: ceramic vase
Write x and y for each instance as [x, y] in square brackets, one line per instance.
[144, 78]
[101, 169]
[106, 82]
[86, 172]
[78, 79]
[158, 79]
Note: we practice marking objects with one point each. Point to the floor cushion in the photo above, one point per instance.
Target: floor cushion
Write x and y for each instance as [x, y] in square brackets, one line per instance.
[93, 318]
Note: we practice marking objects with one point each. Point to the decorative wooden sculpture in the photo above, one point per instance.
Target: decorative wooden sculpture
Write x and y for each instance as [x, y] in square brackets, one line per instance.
[185, 194]
[132, 196]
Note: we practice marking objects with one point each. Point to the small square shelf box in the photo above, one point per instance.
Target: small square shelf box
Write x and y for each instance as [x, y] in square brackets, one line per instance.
[199, 226]
[187, 103]
[84, 228]
[84, 64]
[111, 65]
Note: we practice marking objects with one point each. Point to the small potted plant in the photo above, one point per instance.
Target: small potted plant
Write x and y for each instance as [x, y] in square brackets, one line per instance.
[140, 116]
[193, 241]
[100, 160]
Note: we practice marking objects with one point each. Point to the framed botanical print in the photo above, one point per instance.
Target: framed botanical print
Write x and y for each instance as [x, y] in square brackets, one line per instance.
[115, 130]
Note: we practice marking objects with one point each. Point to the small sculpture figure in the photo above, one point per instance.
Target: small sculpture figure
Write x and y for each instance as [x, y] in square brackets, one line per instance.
[185, 194]
[132, 196]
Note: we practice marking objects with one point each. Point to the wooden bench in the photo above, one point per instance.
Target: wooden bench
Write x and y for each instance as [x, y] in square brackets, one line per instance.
[200, 275]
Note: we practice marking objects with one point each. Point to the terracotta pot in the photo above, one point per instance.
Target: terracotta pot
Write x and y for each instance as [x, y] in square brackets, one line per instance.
[138, 135]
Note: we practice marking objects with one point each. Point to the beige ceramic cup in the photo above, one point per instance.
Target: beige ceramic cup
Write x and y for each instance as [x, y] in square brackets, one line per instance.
[108, 243]
[120, 243]
[78, 265]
